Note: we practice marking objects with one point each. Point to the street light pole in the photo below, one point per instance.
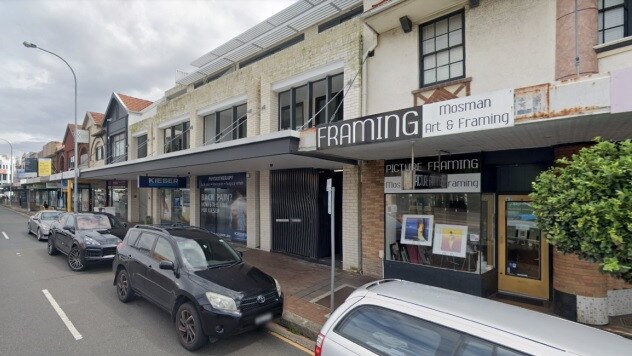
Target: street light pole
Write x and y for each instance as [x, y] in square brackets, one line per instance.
[10, 172]
[75, 193]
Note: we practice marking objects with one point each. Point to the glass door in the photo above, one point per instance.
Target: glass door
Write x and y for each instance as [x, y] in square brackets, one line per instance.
[523, 253]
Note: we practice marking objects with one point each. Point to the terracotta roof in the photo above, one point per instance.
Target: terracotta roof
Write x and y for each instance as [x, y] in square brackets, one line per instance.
[97, 117]
[134, 104]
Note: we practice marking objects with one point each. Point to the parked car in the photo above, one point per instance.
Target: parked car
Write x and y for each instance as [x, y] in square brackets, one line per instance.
[118, 228]
[84, 237]
[39, 223]
[394, 317]
[199, 279]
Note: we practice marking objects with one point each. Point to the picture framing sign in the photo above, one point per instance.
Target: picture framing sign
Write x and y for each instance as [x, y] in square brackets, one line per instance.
[472, 113]
[417, 230]
[450, 240]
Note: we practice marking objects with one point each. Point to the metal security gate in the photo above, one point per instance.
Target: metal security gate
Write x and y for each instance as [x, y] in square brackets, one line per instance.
[295, 211]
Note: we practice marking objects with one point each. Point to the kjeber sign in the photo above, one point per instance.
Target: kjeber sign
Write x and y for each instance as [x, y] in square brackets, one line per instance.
[162, 182]
[472, 113]
[390, 126]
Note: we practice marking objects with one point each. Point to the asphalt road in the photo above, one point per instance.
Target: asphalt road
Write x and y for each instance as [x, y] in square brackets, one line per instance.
[31, 326]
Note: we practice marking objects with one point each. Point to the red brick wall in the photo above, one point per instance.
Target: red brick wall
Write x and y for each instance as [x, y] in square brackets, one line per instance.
[572, 275]
[372, 215]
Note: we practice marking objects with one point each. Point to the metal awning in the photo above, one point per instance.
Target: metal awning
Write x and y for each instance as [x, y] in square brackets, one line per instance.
[273, 151]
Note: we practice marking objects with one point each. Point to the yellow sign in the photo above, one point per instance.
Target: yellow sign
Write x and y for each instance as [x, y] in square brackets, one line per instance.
[44, 167]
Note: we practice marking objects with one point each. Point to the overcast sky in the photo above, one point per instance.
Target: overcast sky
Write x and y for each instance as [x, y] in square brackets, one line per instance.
[130, 47]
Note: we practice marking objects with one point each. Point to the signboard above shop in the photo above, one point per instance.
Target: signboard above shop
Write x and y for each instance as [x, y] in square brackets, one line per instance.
[471, 113]
[30, 167]
[162, 182]
[396, 125]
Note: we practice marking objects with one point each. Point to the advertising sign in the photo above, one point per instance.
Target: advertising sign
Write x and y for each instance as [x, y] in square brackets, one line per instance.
[223, 208]
[389, 126]
[162, 182]
[83, 136]
[30, 167]
[451, 174]
[472, 113]
[44, 167]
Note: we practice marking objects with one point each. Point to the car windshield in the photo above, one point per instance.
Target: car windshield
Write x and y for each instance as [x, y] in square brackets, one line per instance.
[202, 253]
[50, 216]
[93, 222]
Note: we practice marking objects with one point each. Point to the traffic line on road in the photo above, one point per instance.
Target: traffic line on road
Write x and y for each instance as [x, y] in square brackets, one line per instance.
[75, 333]
[296, 345]
[5, 235]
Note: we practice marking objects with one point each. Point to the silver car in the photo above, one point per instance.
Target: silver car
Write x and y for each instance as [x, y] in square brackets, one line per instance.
[39, 223]
[394, 317]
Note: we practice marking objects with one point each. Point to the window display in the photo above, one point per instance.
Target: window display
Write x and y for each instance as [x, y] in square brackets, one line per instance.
[223, 208]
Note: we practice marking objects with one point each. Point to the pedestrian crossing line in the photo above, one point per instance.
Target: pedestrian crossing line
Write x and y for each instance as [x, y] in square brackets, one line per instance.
[71, 327]
[5, 235]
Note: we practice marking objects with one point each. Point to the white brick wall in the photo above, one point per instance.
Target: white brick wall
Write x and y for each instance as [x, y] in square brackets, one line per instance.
[350, 218]
[265, 211]
[252, 199]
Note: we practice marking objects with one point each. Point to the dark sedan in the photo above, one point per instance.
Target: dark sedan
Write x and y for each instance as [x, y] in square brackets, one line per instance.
[199, 279]
[84, 238]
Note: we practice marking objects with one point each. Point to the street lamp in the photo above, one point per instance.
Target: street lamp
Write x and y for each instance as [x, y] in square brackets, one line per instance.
[75, 197]
[10, 172]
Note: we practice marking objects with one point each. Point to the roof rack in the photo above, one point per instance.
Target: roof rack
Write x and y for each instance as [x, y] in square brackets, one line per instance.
[151, 227]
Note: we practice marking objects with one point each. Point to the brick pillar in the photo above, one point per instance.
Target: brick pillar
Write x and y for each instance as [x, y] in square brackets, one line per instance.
[350, 218]
[372, 216]
[565, 32]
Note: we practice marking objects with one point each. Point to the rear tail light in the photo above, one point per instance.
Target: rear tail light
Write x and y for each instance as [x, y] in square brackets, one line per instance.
[319, 344]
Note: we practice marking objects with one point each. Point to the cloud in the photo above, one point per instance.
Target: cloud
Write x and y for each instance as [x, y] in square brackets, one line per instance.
[132, 47]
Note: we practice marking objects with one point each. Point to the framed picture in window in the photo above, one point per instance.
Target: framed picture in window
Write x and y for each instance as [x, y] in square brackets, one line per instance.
[450, 240]
[417, 230]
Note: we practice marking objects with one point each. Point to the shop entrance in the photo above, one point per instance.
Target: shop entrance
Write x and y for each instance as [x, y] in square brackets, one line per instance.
[523, 253]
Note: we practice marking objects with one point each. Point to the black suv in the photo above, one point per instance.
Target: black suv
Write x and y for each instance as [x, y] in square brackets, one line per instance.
[84, 238]
[199, 279]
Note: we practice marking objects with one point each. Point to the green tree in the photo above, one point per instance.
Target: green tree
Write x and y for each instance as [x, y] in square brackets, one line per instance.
[585, 206]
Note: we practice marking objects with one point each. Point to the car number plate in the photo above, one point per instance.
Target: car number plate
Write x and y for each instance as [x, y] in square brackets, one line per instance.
[264, 318]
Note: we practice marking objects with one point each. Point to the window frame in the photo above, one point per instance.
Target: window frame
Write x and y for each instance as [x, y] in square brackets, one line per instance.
[98, 153]
[627, 20]
[141, 146]
[310, 102]
[168, 146]
[236, 121]
[140, 237]
[119, 143]
[422, 55]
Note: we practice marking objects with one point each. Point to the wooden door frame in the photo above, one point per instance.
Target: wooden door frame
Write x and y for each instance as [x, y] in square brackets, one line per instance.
[531, 288]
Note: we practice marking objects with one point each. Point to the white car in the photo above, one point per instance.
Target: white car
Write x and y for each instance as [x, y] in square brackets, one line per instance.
[39, 223]
[394, 317]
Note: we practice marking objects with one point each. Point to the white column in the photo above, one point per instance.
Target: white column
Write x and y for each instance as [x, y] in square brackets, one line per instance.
[253, 218]
[194, 202]
[265, 211]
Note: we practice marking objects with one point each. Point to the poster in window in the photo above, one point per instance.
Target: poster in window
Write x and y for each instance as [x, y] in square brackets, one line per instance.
[224, 205]
[450, 240]
[417, 230]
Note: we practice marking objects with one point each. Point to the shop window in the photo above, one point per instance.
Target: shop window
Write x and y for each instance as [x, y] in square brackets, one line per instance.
[306, 105]
[175, 206]
[119, 151]
[141, 142]
[226, 125]
[442, 49]
[223, 205]
[177, 137]
[446, 230]
[613, 20]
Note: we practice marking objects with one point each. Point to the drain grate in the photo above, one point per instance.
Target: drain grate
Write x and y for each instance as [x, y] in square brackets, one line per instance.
[340, 295]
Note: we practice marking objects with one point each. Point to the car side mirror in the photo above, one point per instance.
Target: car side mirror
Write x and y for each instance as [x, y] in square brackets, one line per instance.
[70, 228]
[167, 265]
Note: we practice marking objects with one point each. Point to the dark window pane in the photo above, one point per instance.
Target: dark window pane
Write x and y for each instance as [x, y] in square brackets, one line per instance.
[241, 121]
[210, 128]
[300, 106]
[225, 125]
[142, 146]
[319, 98]
[284, 109]
[145, 241]
[337, 92]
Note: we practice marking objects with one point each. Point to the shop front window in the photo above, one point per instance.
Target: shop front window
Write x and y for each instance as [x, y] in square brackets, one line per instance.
[118, 199]
[223, 205]
[445, 230]
[175, 206]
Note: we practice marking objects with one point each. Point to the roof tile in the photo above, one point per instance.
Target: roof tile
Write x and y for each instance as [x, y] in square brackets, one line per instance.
[134, 104]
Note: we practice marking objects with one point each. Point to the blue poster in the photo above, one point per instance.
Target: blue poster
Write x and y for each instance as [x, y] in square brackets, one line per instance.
[223, 205]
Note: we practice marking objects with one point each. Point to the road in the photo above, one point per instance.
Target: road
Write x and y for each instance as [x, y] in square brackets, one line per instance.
[31, 325]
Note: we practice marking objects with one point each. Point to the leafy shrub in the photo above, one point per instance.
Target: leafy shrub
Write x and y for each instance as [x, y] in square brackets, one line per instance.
[585, 206]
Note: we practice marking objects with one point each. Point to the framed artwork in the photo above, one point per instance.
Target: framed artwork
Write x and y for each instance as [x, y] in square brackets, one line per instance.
[417, 230]
[395, 254]
[450, 240]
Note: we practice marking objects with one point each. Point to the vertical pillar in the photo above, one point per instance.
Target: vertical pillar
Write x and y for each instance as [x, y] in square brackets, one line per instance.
[253, 214]
[575, 37]
[265, 211]
[351, 218]
[133, 203]
[197, 130]
[194, 202]
[155, 205]
[372, 192]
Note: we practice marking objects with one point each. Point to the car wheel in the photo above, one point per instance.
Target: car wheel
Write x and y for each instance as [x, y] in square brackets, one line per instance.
[39, 235]
[189, 328]
[75, 259]
[51, 247]
[124, 287]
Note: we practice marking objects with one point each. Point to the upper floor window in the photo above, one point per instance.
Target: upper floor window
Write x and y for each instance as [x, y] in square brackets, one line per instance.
[83, 156]
[614, 20]
[299, 104]
[442, 49]
[98, 153]
[118, 147]
[141, 144]
[177, 137]
[226, 125]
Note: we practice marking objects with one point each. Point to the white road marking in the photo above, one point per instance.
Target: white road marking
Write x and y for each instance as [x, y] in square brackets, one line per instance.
[62, 315]
[5, 235]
